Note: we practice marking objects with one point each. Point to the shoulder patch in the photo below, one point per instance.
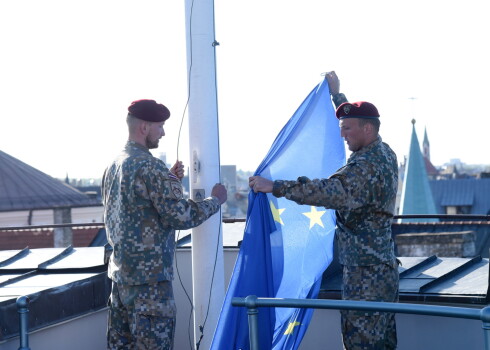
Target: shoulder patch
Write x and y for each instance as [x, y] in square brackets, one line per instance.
[176, 189]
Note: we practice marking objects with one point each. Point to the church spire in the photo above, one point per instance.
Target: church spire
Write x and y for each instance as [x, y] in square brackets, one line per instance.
[416, 193]
[426, 145]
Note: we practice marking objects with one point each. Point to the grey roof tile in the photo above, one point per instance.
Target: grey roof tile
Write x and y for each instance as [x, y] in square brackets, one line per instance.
[23, 187]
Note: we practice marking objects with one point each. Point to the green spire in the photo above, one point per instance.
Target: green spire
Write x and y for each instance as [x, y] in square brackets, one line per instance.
[416, 193]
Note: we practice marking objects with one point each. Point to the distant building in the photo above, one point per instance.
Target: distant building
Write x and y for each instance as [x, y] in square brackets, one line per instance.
[432, 172]
[163, 157]
[236, 183]
[462, 196]
[236, 205]
[228, 177]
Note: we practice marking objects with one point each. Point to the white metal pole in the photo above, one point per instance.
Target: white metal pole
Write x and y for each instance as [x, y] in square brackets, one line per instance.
[207, 243]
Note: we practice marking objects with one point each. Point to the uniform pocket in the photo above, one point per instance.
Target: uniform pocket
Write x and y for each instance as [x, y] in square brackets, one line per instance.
[157, 308]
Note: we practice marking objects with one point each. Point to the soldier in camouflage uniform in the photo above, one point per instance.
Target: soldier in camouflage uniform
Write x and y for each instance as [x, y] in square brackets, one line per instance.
[363, 194]
[143, 207]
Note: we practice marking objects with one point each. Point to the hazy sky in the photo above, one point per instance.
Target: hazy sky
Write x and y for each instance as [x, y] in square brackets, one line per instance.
[69, 69]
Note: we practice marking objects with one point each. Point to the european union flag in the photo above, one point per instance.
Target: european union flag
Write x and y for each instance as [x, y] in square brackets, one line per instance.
[286, 246]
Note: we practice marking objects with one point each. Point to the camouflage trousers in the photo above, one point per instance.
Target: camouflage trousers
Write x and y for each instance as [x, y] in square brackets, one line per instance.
[369, 330]
[141, 317]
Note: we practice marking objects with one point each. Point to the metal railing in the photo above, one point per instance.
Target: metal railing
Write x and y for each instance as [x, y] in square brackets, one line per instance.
[456, 217]
[252, 303]
[23, 310]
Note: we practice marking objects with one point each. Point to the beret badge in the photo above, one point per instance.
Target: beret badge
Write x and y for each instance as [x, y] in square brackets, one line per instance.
[347, 109]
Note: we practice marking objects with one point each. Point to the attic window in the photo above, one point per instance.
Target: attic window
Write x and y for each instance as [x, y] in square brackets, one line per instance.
[461, 209]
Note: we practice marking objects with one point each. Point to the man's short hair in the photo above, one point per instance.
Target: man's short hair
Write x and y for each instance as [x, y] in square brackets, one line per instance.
[132, 122]
[374, 122]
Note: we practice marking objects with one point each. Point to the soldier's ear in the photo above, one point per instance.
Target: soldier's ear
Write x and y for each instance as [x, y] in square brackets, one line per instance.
[144, 127]
[369, 128]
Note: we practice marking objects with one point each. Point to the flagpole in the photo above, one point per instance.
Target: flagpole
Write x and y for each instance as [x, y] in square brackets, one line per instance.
[207, 252]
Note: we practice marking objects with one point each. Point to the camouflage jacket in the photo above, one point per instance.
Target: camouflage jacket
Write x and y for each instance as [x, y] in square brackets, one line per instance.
[143, 208]
[363, 193]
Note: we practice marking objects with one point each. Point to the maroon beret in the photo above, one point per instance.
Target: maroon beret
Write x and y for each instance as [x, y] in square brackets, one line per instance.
[360, 109]
[149, 110]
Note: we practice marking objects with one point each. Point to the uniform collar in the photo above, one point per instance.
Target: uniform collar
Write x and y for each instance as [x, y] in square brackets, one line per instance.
[137, 146]
[368, 148]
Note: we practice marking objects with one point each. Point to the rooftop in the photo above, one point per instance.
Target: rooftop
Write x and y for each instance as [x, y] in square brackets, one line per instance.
[23, 187]
[61, 283]
[75, 279]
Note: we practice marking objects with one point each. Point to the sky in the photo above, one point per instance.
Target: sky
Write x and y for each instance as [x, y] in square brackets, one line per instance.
[69, 69]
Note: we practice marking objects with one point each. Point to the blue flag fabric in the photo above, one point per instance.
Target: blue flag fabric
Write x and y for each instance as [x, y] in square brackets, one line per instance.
[286, 246]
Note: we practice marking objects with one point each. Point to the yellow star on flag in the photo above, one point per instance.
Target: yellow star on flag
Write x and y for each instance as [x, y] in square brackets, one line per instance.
[276, 213]
[315, 216]
[290, 328]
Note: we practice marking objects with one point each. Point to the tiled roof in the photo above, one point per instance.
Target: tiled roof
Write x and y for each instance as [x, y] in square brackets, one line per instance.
[430, 168]
[43, 237]
[23, 187]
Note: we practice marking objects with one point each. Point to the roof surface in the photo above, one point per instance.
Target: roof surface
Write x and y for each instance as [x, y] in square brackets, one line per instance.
[23, 187]
[430, 168]
[474, 193]
[75, 279]
[430, 279]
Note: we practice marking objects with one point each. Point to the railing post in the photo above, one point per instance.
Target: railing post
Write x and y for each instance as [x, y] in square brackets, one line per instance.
[253, 322]
[23, 310]
[485, 317]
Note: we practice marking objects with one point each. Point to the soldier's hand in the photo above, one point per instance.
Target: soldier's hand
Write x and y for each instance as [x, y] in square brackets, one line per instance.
[333, 82]
[219, 191]
[260, 184]
[178, 169]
